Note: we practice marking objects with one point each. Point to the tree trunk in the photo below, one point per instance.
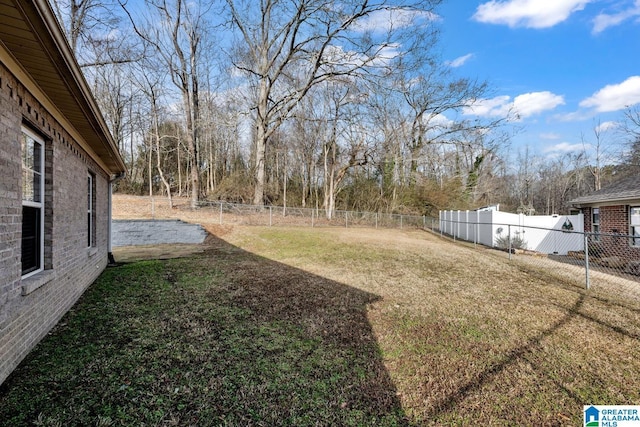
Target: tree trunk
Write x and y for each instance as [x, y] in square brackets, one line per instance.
[179, 168]
[150, 168]
[193, 152]
[304, 188]
[261, 143]
[329, 180]
[167, 186]
[212, 168]
[284, 186]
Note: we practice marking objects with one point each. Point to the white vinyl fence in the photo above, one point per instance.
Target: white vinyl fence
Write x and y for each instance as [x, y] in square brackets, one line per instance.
[557, 243]
[551, 234]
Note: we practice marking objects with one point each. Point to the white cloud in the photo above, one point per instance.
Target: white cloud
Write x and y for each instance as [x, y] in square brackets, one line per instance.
[605, 126]
[528, 13]
[533, 103]
[575, 116]
[339, 59]
[439, 121]
[382, 21]
[113, 35]
[460, 61]
[615, 97]
[522, 106]
[605, 20]
[550, 135]
[564, 147]
[494, 107]
[387, 54]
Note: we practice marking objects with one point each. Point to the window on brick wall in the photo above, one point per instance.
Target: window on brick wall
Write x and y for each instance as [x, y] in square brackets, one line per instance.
[91, 209]
[634, 219]
[595, 224]
[32, 203]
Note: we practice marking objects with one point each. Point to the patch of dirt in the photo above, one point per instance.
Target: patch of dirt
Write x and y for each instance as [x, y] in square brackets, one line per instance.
[127, 254]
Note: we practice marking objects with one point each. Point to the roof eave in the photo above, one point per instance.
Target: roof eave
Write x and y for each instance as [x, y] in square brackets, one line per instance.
[618, 200]
[42, 19]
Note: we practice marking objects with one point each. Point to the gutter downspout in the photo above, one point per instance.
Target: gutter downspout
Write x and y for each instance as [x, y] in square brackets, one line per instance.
[118, 177]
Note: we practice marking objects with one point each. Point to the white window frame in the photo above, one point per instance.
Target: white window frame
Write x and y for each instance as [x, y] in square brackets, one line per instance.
[39, 204]
[634, 225]
[89, 209]
[595, 226]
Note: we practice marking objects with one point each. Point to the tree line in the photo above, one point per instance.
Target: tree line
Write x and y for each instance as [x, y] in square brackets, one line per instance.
[315, 103]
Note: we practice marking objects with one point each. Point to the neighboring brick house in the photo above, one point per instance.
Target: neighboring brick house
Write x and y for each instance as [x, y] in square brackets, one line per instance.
[57, 163]
[613, 213]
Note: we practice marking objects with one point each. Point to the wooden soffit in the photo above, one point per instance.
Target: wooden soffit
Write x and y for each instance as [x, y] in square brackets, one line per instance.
[35, 49]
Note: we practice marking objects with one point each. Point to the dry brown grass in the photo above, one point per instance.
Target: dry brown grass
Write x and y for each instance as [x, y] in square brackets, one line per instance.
[466, 337]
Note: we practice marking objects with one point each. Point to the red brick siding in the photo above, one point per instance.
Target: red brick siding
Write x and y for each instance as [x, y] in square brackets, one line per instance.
[69, 264]
[614, 220]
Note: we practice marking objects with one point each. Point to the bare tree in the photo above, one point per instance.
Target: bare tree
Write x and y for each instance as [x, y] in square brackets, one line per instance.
[631, 124]
[308, 128]
[630, 128]
[429, 97]
[559, 180]
[86, 22]
[602, 152]
[93, 33]
[526, 178]
[345, 143]
[151, 87]
[178, 41]
[287, 47]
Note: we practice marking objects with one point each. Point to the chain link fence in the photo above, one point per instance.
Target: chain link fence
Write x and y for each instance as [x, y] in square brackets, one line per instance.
[241, 214]
[232, 213]
[588, 259]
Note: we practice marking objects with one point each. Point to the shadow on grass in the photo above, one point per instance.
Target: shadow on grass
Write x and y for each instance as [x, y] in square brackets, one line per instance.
[221, 338]
[531, 353]
[595, 265]
[449, 402]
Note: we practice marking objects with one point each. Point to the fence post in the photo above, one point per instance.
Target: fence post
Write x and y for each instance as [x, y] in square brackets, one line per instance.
[220, 213]
[376, 219]
[311, 218]
[400, 222]
[475, 236]
[509, 240]
[477, 226]
[270, 216]
[346, 219]
[586, 261]
[466, 225]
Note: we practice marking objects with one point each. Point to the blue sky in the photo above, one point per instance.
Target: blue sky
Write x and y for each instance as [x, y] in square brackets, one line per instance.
[565, 66]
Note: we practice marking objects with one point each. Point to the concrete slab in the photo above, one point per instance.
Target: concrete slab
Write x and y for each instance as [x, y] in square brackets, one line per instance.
[136, 232]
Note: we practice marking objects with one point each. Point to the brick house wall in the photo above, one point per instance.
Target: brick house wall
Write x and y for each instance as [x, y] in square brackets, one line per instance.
[614, 219]
[29, 308]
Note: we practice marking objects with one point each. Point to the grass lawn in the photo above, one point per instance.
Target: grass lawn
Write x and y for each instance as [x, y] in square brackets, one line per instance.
[288, 326]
